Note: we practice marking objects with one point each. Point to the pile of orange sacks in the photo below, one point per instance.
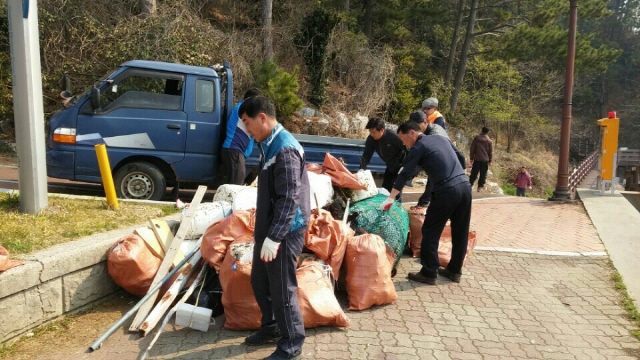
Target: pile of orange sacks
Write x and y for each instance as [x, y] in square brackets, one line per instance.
[327, 242]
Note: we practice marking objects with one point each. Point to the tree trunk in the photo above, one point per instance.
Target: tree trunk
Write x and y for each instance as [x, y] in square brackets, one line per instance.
[454, 42]
[267, 38]
[346, 8]
[368, 17]
[147, 8]
[462, 65]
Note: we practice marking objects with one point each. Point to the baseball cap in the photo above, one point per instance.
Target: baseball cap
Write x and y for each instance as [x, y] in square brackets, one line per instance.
[430, 103]
[418, 117]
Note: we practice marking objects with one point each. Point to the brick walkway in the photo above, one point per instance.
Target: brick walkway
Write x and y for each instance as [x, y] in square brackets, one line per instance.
[509, 305]
[534, 224]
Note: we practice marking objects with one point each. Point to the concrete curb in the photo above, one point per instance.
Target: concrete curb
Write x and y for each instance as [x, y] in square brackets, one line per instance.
[57, 281]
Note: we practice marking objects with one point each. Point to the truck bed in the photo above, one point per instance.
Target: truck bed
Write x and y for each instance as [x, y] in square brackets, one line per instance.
[315, 148]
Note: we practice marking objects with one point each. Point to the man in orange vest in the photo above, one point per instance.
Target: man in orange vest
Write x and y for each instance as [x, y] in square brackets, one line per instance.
[430, 108]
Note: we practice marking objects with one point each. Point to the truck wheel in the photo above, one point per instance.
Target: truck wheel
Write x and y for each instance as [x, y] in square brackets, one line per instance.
[140, 181]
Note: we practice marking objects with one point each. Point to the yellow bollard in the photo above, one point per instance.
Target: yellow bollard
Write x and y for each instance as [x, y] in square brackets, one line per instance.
[107, 178]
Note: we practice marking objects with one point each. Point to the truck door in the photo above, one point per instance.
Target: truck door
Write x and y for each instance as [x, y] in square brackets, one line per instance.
[202, 103]
[141, 114]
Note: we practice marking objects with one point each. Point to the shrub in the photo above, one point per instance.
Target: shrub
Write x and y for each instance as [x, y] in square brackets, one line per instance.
[279, 86]
[404, 100]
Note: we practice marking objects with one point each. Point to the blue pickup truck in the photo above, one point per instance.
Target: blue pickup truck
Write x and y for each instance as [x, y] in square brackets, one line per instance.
[163, 125]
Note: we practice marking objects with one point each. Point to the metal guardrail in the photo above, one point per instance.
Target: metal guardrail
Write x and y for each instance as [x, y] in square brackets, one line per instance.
[582, 170]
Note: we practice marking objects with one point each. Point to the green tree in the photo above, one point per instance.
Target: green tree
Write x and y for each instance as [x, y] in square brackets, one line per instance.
[312, 41]
[279, 86]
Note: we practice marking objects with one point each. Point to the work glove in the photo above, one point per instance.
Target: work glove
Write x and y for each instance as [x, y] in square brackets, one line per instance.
[386, 205]
[269, 250]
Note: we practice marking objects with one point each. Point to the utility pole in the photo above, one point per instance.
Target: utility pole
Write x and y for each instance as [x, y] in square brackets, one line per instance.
[27, 104]
[562, 185]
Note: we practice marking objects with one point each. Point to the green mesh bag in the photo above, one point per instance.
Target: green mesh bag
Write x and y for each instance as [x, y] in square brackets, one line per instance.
[391, 225]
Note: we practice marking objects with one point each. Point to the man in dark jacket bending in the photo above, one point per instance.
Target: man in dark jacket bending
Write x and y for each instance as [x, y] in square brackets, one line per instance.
[451, 199]
[282, 216]
[388, 146]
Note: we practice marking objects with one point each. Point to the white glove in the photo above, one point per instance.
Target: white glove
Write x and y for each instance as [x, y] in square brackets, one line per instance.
[269, 250]
[386, 205]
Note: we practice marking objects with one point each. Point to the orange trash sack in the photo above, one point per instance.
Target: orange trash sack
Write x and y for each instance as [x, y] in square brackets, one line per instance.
[327, 239]
[5, 260]
[369, 262]
[316, 298]
[416, 219]
[132, 265]
[222, 233]
[340, 175]
[445, 246]
[241, 311]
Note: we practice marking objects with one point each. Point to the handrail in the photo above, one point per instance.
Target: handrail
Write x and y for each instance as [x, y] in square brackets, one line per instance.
[582, 170]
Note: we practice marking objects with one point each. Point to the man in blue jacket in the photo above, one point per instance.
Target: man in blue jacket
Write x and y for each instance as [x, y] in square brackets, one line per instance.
[282, 217]
[450, 200]
[236, 147]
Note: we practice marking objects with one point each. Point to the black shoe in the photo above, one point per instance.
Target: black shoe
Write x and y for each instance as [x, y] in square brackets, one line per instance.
[276, 356]
[262, 337]
[420, 277]
[448, 274]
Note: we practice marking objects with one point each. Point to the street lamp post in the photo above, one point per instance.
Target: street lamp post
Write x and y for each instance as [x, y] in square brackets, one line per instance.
[562, 185]
[27, 104]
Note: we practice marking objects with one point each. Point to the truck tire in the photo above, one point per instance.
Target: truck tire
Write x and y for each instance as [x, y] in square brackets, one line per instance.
[140, 181]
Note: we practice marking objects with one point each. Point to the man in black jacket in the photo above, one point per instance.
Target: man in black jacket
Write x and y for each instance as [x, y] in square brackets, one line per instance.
[427, 128]
[282, 217]
[451, 200]
[390, 149]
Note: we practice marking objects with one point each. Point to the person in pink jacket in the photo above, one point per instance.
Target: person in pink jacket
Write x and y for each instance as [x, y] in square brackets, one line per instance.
[523, 181]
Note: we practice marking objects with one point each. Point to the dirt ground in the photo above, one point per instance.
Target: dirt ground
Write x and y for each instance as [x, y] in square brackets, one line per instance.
[70, 332]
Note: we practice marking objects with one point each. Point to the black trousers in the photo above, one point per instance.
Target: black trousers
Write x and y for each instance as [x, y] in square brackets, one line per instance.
[453, 203]
[425, 198]
[232, 168]
[482, 167]
[388, 179]
[275, 287]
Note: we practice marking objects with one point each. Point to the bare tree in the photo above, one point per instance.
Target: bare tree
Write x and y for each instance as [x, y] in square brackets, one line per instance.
[462, 65]
[147, 8]
[267, 27]
[454, 42]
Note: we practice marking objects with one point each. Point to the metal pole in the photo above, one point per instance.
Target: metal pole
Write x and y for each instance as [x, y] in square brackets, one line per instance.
[27, 104]
[107, 178]
[562, 185]
[98, 343]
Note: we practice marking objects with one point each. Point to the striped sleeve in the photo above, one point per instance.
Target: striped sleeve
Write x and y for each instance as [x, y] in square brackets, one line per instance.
[287, 187]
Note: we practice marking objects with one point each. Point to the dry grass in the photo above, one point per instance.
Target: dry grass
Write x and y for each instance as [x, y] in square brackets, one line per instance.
[65, 220]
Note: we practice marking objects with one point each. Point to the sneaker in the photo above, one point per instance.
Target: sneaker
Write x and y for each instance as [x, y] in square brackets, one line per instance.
[448, 274]
[420, 277]
[276, 356]
[262, 337]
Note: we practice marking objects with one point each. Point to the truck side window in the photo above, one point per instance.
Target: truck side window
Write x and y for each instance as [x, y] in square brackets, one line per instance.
[204, 96]
[143, 92]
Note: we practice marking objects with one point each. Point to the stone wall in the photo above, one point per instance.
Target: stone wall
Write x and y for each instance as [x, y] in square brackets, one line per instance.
[55, 282]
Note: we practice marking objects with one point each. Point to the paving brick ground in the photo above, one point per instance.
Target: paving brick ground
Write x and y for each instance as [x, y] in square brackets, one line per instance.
[536, 224]
[508, 306]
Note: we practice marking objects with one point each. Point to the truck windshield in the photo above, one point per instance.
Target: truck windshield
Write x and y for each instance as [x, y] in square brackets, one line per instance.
[97, 83]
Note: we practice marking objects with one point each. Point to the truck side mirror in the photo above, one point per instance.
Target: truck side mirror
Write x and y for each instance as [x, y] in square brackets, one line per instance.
[95, 98]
